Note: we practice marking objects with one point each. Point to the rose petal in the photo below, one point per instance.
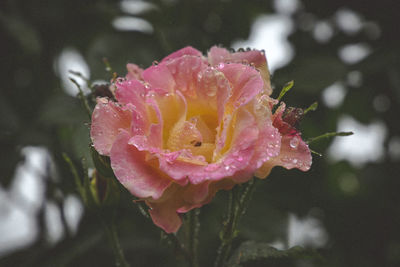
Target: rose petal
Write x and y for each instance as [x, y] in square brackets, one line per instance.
[214, 90]
[159, 76]
[134, 172]
[131, 91]
[198, 195]
[238, 153]
[188, 51]
[169, 108]
[294, 152]
[107, 120]
[134, 72]
[218, 55]
[165, 213]
[245, 81]
[185, 70]
[269, 141]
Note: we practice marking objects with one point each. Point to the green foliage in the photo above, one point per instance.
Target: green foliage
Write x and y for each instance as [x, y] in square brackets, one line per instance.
[285, 89]
[265, 255]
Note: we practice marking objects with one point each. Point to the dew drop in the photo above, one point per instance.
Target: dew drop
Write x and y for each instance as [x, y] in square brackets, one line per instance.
[221, 82]
[211, 167]
[211, 91]
[221, 65]
[172, 69]
[228, 161]
[294, 142]
[199, 76]
[195, 65]
[150, 94]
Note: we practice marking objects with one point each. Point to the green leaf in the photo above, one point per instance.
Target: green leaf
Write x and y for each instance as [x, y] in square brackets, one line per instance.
[285, 89]
[256, 251]
[77, 179]
[312, 107]
[328, 135]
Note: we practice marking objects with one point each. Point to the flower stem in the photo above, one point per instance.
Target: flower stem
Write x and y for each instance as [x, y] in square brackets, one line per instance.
[239, 198]
[112, 235]
[180, 248]
[82, 97]
[192, 234]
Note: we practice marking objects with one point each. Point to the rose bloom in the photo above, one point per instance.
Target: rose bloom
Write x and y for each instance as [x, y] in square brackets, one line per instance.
[191, 125]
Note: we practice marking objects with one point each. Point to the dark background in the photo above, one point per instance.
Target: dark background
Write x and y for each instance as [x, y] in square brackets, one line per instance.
[356, 205]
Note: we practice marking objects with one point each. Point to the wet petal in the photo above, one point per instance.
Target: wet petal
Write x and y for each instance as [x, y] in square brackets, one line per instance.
[130, 91]
[164, 215]
[246, 84]
[139, 176]
[185, 70]
[159, 76]
[213, 90]
[235, 157]
[269, 141]
[257, 58]
[108, 120]
[186, 51]
[134, 72]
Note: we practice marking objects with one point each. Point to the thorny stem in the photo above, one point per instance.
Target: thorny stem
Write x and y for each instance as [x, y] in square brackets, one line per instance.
[109, 225]
[239, 198]
[82, 98]
[191, 254]
[80, 75]
[112, 235]
[180, 248]
[192, 233]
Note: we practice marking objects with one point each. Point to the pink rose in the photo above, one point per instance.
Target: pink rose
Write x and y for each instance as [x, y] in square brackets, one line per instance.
[192, 125]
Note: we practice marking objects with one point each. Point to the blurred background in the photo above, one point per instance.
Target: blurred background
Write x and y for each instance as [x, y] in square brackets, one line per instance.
[345, 54]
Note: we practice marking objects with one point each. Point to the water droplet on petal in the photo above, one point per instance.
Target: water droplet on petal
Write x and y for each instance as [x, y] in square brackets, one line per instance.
[211, 90]
[211, 167]
[172, 69]
[199, 76]
[294, 142]
[221, 65]
[228, 161]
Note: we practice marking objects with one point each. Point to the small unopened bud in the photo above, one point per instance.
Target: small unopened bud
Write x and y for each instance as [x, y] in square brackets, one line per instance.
[102, 90]
[105, 191]
[293, 116]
